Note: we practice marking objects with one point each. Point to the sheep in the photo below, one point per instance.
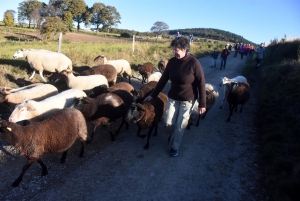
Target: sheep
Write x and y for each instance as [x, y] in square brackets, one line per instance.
[147, 115]
[143, 91]
[226, 82]
[144, 69]
[55, 134]
[154, 76]
[238, 94]
[118, 86]
[39, 110]
[84, 83]
[121, 65]
[211, 96]
[107, 70]
[105, 110]
[37, 92]
[41, 60]
[162, 64]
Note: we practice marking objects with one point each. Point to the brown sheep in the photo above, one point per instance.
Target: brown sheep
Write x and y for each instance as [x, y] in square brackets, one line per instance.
[143, 91]
[54, 134]
[144, 70]
[162, 64]
[238, 94]
[105, 109]
[147, 115]
[107, 70]
[119, 86]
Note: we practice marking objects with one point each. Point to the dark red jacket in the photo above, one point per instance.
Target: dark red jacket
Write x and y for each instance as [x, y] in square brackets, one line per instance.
[225, 53]
[187, 80]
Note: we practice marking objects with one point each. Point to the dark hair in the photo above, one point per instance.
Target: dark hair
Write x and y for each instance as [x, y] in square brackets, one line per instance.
[181, 43]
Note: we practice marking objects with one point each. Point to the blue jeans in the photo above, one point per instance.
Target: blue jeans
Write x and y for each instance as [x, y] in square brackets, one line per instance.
[223, 61]
[176, 119]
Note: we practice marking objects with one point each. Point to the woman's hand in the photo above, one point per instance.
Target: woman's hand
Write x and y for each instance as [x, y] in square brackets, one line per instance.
[202, 110]
[148, 98]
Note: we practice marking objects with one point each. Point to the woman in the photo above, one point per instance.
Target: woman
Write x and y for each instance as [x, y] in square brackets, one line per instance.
[187, 85]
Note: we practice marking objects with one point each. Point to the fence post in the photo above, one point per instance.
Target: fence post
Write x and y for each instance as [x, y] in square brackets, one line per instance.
[59, 42]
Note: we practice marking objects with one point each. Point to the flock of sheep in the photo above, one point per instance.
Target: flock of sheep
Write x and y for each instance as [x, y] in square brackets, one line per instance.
[96, 98]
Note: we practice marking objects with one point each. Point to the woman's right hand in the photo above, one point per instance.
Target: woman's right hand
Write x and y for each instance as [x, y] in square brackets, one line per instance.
[148, 98]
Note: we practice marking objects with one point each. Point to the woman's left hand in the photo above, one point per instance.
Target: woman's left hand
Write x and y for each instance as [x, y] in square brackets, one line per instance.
[202, 110]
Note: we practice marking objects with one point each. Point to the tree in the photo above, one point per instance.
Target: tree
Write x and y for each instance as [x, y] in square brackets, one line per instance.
[35, 17]
[53, 9]
[78, 9]
[109, 17]
[9, 18]
[96, 14]
[159, 27]
[68, 19]
[53, 25]
[26, 7]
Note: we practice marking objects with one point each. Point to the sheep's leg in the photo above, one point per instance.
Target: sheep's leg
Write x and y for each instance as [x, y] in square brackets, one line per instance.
[139, 132]
[81, 149]
[112, 137]
[222, 103]
[63, 157]
[92, 135]
[198, 120]
[33, 73]
[41, 74]
[44, 168]
[155, 131]
[231, 107]
[241, 108]
[30, 161]
[123, 121]
[148, 137]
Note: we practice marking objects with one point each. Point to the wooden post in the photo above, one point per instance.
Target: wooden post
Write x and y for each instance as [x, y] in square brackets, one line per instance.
[59, 42]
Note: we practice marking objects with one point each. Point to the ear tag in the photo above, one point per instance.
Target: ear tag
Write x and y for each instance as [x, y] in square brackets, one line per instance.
[8, 128]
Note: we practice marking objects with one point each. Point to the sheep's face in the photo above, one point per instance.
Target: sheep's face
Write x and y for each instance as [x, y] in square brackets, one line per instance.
[134, 113]
[21, 112]
[18, 54]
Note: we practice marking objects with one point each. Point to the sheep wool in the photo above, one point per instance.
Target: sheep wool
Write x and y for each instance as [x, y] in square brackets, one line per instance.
[55, 134]
[40, 110]
[41, 60]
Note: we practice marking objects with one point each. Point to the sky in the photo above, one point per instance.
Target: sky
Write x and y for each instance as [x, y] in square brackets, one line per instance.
[258, 21]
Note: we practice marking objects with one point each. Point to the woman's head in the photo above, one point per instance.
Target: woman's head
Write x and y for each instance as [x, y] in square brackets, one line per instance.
[180, 46]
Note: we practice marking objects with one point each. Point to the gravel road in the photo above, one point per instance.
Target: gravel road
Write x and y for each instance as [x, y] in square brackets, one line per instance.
[217, 161]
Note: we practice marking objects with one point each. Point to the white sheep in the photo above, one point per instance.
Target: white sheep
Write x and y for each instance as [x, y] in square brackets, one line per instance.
[37, 92]
[227, 82]
[154, 76]
[41, 60]
[121, 65]
[39, 110]
[55, 134]
[84, 83]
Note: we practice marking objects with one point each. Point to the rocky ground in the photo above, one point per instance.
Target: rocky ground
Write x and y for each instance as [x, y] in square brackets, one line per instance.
[217, 160]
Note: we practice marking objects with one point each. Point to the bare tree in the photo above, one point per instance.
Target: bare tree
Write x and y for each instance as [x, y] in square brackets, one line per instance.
[159, 27]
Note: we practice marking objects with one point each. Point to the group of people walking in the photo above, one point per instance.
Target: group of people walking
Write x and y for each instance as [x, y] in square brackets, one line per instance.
[239, 48]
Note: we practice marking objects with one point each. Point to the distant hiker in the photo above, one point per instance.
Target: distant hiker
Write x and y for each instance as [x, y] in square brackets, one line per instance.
[178, 34]
[214, 55]
[191, 38]
[236, 49]
[261, 53]
[224, 55]
[242, 50]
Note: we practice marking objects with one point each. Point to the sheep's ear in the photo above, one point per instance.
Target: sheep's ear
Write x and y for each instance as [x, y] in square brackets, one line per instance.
[140, 106]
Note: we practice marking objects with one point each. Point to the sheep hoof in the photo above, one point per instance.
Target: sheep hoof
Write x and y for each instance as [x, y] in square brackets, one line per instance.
[44, 172]
[16, 183]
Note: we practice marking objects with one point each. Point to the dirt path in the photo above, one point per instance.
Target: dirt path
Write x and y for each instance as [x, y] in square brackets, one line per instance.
[216, 161]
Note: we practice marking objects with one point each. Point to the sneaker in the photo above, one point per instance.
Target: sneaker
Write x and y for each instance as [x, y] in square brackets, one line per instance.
[173, 152]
